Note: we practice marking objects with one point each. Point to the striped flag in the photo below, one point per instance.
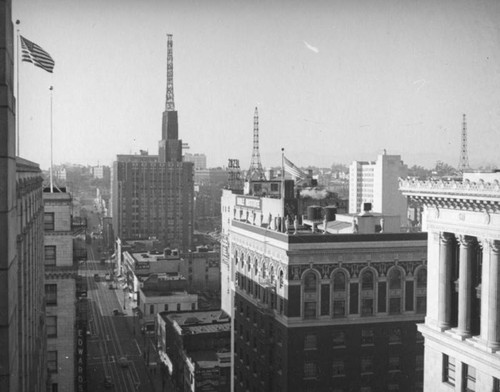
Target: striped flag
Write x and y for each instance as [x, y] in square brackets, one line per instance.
[32, 53]
[290, 168]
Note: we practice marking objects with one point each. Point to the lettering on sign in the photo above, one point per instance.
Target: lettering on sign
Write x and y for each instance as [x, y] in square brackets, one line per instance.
[249, 202]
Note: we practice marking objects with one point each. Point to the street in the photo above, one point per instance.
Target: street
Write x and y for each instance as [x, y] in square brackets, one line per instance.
[117, 351]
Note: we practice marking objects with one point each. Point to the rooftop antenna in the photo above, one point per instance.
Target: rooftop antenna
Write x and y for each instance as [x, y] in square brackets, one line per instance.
[463, 163]
[170, 105]
[256, 172]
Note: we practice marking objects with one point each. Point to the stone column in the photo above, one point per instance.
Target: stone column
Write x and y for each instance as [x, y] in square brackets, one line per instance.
[444, 296]
[464, 285]
[490, 295]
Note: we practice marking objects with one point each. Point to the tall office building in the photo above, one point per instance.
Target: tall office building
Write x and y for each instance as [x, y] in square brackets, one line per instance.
[199, 160]
[314, 311]
[377, 183]
[462, 325]
[153, 195]
[60, 289]
[22, 312]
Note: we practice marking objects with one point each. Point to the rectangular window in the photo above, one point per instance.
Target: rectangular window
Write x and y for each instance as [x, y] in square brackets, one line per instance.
[48, 221]
[367, 307]
[310, 342]
[448, 369]
[395, 305]
[50, 255]
[165, 307]
[469, 378]
[339, 308]
[421, 304]
[338, 369]
[50, 294]
[338, 339]
[52, 361]
[309, 310]
[151, 309]
[367, 364]
[51, 326]
[367, 337]
[310, 370]
[394, 363]
[395, 336]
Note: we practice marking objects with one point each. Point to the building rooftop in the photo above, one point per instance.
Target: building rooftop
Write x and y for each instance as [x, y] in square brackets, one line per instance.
[191, 323]
[304, 236]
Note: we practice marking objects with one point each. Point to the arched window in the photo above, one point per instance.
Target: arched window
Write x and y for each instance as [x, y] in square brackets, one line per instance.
[255, 267]
[249, 264]
[339, 294]
[395, 288]
[367, 297]
[236, 258]
[281, 279]
[367, 280]
[310, 295]
[421, 290]
[271, 274]
[264, 270]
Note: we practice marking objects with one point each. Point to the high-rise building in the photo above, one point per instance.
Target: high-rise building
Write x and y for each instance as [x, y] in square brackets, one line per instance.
[314, 311]
[60, 289]
[377, 183]
[153, 195]
[462, 325]
[199, 160]
[23, 366]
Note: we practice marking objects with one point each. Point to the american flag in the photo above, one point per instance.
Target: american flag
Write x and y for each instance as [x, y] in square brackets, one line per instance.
[293, 170]
[32, 53]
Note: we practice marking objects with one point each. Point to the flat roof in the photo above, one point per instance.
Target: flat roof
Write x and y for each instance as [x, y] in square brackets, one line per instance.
[200, 322]
[304, 237]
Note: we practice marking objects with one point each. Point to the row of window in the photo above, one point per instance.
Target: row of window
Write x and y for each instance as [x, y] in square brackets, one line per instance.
[468, 375]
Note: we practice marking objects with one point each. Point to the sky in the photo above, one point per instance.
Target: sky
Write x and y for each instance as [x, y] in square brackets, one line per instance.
[334, 81]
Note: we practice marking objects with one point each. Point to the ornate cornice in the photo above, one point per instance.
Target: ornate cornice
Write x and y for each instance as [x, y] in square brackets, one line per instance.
[466, 195]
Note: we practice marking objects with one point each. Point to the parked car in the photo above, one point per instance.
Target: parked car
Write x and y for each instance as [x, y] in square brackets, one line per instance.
[108, 383]
[96, 277]
[117, 312]
[123, 362]
[108, 277]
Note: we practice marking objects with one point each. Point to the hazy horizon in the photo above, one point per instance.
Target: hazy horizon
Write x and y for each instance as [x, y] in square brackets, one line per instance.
[333, 81]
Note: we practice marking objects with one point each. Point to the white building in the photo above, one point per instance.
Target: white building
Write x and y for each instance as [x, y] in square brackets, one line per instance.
[377, 183]
[462, 326]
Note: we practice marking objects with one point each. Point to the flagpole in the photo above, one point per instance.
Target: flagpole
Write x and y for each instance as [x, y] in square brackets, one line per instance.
[17, 88]
[51, 143]
[283, 183]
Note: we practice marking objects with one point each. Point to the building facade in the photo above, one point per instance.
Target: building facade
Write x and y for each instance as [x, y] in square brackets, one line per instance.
[462, 325]
[195, 348]
[60, 289]
[377, 183]
[23, 365]
[199, 160]
[320, 312]
[153, 196]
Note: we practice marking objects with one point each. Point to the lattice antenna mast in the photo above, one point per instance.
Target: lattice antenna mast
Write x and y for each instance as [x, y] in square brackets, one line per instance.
[256, 172]
[170, 105]
[463, 164]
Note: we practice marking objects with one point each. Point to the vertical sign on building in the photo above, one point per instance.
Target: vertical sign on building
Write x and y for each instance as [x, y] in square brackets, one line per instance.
[81, 346]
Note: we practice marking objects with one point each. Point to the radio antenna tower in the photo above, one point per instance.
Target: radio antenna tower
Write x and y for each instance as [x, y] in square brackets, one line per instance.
[256, 172]
[463, 163]
[170, 105]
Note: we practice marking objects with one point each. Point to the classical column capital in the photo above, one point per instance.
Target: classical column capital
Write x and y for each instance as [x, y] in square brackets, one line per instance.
[489, 244]
[445, 238]
[465, 241]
